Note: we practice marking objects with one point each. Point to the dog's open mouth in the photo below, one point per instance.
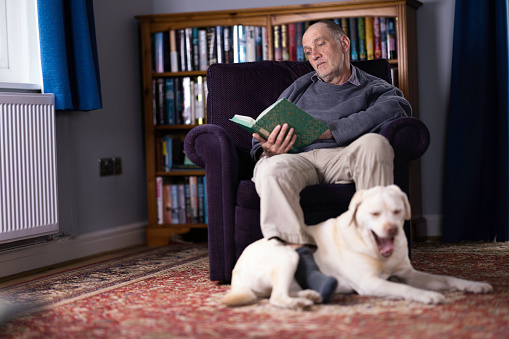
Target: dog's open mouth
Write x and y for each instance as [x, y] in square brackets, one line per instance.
[385, 245]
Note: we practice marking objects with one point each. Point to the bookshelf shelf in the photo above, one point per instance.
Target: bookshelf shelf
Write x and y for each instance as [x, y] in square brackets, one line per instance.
[401, 12]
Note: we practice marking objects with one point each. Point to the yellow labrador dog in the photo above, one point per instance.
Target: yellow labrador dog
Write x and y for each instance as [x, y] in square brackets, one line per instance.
[362, 249]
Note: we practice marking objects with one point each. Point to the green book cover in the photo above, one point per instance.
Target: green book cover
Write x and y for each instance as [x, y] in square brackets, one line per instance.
[306, 127]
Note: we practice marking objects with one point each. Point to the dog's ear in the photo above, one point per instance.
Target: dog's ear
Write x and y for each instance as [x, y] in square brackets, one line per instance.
[354, 204]
[408, 211]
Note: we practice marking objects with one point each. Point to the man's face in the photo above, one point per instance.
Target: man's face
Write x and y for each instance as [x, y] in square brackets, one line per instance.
[327, 55]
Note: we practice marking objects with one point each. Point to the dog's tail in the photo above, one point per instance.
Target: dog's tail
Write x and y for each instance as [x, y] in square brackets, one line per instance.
[239, 297]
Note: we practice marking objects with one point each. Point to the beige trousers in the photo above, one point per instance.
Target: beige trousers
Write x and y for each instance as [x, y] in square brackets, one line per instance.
[368, 161]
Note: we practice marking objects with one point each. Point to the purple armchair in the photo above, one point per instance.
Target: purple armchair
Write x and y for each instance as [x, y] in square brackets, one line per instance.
[222, 148]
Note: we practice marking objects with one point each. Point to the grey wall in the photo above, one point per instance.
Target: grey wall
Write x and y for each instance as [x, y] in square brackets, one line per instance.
[88, 202]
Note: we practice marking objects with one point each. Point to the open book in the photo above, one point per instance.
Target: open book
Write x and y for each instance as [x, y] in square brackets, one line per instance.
[306, 127]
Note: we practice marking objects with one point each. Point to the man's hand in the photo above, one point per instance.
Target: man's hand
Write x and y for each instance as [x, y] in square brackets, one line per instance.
[280, 141]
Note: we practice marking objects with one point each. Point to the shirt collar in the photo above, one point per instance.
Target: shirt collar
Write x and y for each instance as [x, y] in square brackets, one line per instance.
[354, 79]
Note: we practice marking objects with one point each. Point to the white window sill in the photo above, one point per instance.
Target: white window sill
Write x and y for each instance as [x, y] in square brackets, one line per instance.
[19, 87]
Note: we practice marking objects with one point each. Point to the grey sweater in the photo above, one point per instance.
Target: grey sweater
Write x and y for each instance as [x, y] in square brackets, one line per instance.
[349, 110]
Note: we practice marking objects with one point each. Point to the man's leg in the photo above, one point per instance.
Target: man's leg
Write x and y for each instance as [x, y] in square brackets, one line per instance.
[368, 161]
[279, 181]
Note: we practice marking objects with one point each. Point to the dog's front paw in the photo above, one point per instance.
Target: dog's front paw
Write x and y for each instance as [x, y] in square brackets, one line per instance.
[429, 297]
[477, 287]
[312, 295]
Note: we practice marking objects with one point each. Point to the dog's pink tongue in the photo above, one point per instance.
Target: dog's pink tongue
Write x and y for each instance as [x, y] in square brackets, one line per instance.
[385, 246]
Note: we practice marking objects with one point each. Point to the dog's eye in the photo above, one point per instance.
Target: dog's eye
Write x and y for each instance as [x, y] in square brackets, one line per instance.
[396, 212]
[375, 214]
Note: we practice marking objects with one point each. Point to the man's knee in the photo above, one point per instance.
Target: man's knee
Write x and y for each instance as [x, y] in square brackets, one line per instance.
[378, 146]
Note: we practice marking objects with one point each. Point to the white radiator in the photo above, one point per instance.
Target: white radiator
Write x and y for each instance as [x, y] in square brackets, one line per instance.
[28, 174]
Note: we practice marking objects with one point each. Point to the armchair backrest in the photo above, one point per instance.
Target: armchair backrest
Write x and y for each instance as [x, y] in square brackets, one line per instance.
[249, 88]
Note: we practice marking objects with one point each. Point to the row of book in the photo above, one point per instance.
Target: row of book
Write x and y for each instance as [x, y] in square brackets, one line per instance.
[170, 155]
[179, 100]
[182, 203]
[193, 49]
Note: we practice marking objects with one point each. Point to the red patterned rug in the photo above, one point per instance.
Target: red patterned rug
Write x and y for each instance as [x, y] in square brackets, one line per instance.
[165, 293]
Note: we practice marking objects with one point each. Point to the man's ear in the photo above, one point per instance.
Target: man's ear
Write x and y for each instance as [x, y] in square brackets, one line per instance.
[345, 43]
[354, 204]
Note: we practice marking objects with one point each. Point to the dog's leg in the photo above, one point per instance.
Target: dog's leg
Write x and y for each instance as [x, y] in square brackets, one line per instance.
[377, 287]
[442, 282]
[282, 278]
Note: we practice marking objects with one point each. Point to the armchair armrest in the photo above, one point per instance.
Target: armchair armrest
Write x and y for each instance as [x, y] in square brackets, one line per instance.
[211, 147]
[408, 136]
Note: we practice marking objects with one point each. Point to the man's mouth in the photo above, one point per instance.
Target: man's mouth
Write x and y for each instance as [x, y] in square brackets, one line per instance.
[385, 245]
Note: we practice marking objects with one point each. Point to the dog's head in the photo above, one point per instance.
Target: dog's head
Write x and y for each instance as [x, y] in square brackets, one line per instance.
[380, 212]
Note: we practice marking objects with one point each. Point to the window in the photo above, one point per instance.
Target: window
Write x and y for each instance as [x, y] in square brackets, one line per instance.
[20, 65]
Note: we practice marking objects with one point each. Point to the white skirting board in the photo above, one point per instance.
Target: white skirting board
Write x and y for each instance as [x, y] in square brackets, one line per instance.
[74, 247]
[433, 227]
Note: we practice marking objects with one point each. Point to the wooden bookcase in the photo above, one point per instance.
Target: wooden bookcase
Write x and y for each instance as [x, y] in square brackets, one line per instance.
[404, 11]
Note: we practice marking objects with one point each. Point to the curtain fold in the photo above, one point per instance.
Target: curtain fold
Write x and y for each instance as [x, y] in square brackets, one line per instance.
[476, 188]
[69, 62]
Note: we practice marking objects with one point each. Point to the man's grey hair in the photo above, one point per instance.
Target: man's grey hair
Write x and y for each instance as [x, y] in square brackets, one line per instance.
[334, 29]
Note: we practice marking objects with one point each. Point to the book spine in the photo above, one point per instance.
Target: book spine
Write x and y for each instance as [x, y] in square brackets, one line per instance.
[383, 37]
[167, 203]
[211, 45]
[250, 44]
[354, 41]
[169, 87]
[242, 43]
[202, 43]
[265, 48]
[219, 44]
[227, 44]
[377, 42]
[201, 200]
[175, 204]
[370, 51]
[166, 52]
[187, 195]
[258, 43]
[160, 101]
[278, 56]
[236, 44]
[189, 49]
[292, 42]
[159, 200]
[182, 203]
[196, 49]
[391, 38]
[344, 24]
[361, 34]
[187, 101]
[182, 49]
[159, 52]
[193, 189]
[174, 58]
[285, 55]
[199, 98]
[299, 31]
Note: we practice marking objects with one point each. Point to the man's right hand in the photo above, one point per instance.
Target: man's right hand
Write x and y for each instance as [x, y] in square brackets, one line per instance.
[280, 141]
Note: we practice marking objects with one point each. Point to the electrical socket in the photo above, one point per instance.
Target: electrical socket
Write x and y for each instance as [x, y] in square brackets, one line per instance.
[117, 166]
[110, 166]
[105, 166]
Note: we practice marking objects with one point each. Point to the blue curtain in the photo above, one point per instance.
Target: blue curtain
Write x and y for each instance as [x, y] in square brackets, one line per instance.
[476, 193]
[70, 68]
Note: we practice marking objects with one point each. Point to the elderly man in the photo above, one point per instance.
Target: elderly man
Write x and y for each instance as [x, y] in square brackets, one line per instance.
[354, 105]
